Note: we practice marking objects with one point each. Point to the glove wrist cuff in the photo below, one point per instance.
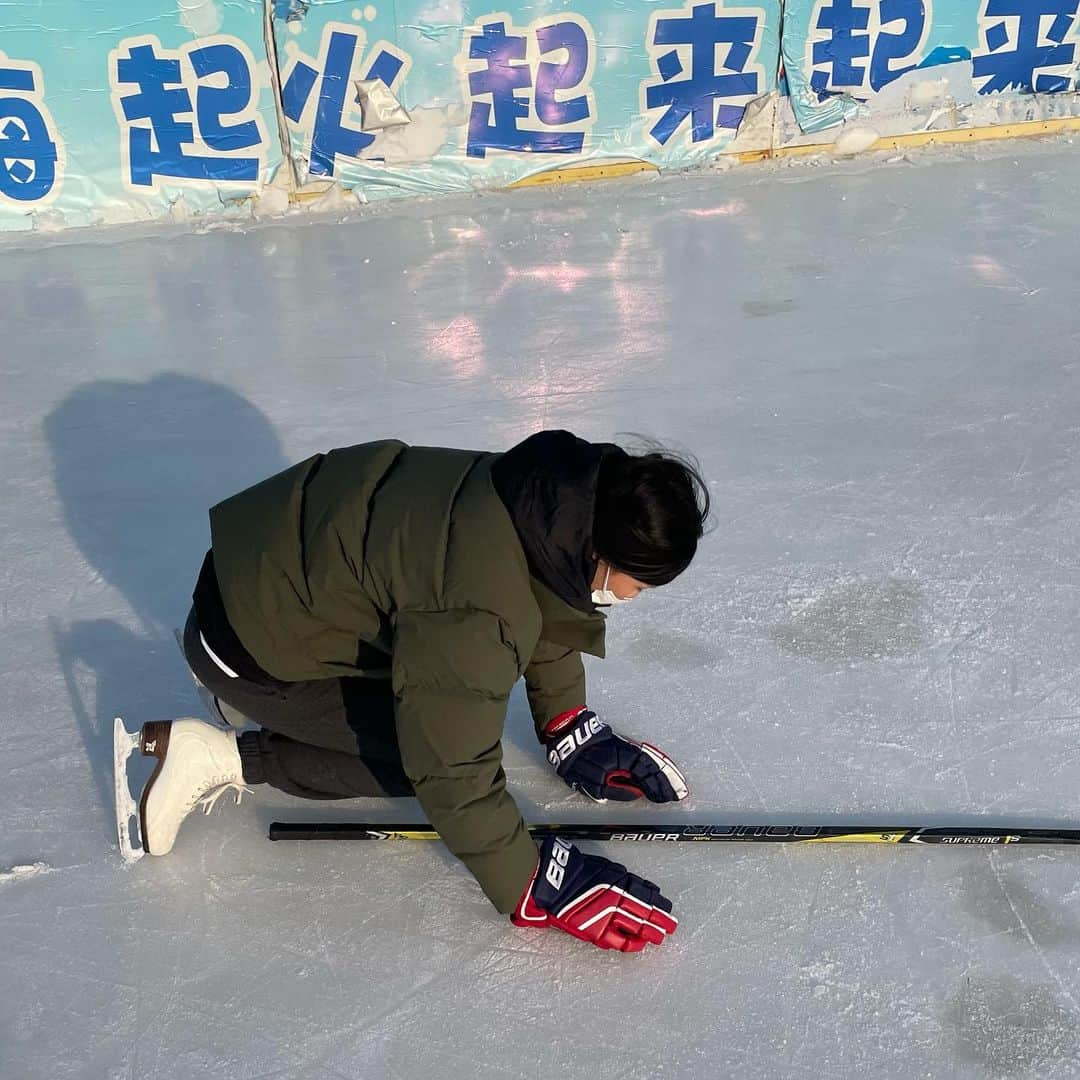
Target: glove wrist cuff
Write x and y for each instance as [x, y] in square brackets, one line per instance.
[563, 720]
[526, 911]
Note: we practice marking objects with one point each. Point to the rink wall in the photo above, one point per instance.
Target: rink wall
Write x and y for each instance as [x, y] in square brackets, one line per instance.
[140, 109]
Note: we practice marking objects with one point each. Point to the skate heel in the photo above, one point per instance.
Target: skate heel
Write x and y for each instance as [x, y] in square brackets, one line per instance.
[155, 739]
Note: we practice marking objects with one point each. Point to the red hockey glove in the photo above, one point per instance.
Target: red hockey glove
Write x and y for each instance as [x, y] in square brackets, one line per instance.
[594, 899]
[604, 765]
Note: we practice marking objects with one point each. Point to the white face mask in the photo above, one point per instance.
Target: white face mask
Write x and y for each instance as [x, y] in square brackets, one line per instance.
[605, 597]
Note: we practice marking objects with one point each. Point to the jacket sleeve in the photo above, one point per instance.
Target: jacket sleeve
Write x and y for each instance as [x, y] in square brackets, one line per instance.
[452, 675]
[555, 682]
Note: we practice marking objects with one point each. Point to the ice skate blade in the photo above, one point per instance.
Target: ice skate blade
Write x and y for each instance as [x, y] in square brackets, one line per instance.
[124, 745]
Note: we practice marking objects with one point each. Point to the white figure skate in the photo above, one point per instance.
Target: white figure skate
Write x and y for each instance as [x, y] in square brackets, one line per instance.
[196, 764]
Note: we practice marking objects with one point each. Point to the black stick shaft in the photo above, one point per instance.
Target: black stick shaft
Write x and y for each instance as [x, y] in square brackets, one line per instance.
[950, 836]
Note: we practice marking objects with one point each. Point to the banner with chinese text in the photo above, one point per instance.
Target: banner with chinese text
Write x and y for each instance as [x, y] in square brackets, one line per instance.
[172, 108]
[128, 111]
[494, 94]
[134, 110]
[914, 65]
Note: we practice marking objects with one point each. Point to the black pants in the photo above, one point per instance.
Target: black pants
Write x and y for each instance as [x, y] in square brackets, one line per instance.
[323, 739]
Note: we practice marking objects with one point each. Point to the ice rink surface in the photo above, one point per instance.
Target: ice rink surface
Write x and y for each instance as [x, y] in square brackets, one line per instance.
[878, 366]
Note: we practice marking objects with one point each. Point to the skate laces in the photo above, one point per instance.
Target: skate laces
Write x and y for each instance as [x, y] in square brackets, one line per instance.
[209, 801]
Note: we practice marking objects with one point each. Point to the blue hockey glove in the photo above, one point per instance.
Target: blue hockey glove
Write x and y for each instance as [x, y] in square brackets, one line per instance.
[604, 765]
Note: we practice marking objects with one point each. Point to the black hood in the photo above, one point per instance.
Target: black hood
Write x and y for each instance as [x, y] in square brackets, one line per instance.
[548, 485]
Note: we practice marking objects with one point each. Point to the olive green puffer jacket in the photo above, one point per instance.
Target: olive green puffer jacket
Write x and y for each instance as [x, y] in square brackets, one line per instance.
[390, 560]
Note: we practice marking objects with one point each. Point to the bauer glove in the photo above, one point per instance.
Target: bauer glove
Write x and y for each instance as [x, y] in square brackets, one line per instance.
[593, 899]
[604, 765]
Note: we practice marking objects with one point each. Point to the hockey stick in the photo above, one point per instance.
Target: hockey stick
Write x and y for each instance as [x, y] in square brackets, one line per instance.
[777, 834]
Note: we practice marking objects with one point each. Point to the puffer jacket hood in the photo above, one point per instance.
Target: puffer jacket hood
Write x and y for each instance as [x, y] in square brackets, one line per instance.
[548, 485]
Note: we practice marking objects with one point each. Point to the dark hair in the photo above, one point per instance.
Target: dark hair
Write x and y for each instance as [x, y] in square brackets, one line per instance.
[651, 510]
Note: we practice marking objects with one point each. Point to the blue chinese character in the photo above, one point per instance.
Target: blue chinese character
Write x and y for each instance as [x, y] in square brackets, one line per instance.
[28, 154]
[849, 40]
[1017, 68]
[330, 136]
[212, 102]
[552, 78]
[697, 95]
[842, 47]
[157, 137]
[899, 46]
[494, 124]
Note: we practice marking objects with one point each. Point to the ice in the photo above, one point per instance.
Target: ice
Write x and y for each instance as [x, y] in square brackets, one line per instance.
[877, 367]
[23, 872]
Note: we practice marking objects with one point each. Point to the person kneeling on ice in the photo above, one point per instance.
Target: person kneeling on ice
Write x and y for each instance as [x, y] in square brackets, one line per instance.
[370, 610]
